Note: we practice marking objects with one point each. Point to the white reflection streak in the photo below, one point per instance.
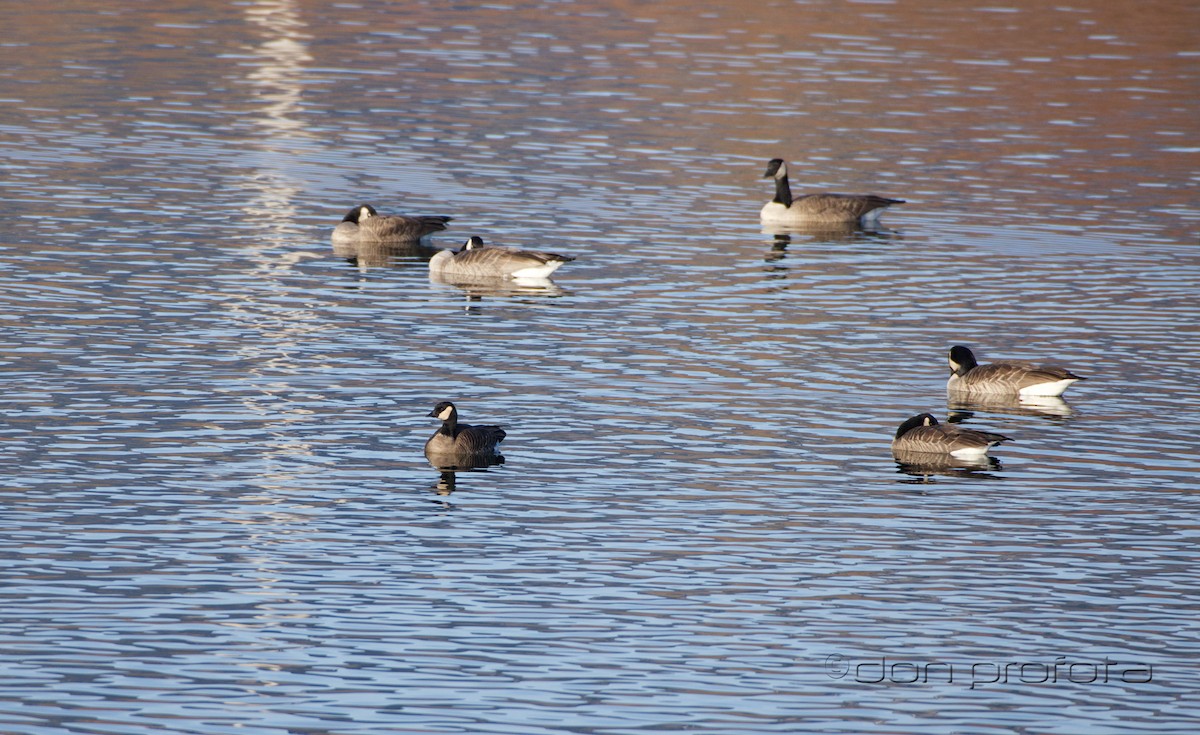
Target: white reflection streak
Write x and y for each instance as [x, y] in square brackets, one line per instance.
[281, 62]
[276, 73]
[276, 76]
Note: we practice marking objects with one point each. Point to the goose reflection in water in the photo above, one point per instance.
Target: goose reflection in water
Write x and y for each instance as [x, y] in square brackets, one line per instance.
[1047, 407]
[925, 466]
[778, 247]
[463, 462]
[477, 288]
[379, 254]
[828, 233]
[448, 467]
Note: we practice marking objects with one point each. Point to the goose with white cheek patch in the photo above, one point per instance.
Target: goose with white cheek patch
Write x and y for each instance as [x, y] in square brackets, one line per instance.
[363, 224]
[1004, 378]
[476, 260]
[922, 434]
[463, 440]
[862, 209]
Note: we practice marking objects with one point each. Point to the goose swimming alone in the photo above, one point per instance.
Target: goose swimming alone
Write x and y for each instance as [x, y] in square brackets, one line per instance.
[922, 434]
[364, 224]
[461, 440]
[818, 208]
[476, 260]
[1005, 377]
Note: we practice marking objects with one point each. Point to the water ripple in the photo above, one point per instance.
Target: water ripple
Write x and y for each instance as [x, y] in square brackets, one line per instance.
[217, 517]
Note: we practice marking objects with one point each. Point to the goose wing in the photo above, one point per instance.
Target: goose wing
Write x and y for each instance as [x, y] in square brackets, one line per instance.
[493, 262]
[965, 437]
[1012, 376]
[400, 227]
[490, 257]
[945, 438]
[478, 439]
[841, 206]
[925, 439]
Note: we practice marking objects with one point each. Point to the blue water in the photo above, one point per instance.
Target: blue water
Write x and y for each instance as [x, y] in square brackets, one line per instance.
[216, 516]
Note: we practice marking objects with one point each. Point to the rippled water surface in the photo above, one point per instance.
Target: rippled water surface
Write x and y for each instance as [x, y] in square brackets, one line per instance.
[216, 516]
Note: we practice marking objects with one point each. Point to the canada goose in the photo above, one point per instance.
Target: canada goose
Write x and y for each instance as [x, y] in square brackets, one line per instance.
[783, 209]
[364, 224]
[922, 433]
[461, 440]
[1004, 378]
[475, 260]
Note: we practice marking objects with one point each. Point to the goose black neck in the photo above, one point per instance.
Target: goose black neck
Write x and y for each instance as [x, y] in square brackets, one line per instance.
[783, 192]
[449, 426]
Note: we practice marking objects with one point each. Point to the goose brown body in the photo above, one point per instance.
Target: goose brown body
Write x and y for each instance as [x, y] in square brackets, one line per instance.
[476, 260]
[1005, 377]
[924, 435]
[363, 224]
[454, 438]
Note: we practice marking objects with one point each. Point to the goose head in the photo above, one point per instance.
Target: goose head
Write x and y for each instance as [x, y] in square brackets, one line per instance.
[776, 168]
[922, 419]
[961, 360]
[359, 213]
[444, 411]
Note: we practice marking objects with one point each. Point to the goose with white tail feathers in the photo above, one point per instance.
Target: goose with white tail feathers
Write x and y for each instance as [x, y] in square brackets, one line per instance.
[476, 260]
[1005, 377]
[922, 434]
